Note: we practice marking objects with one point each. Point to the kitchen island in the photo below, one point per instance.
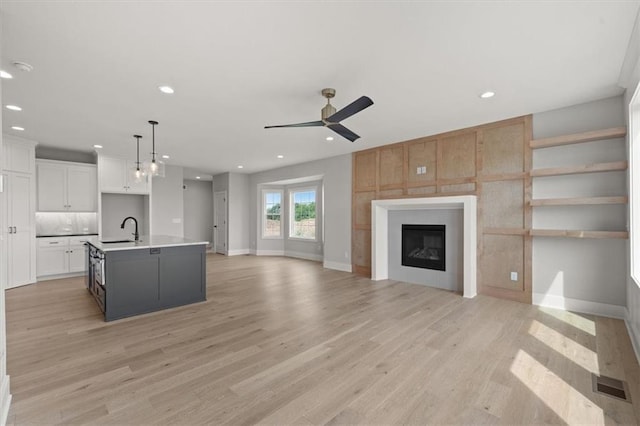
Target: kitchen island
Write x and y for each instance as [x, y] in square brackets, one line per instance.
[135, 277]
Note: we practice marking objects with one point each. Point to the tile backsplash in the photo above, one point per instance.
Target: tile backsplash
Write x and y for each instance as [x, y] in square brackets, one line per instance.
[49, 223]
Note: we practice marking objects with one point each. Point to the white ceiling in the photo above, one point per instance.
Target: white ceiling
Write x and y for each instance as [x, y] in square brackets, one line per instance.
[238, 66]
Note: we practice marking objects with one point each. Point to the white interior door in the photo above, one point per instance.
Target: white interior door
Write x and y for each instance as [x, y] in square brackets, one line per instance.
[220, 222]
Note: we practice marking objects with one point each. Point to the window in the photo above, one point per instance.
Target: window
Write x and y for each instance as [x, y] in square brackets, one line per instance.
[271, 217]
[302, 214]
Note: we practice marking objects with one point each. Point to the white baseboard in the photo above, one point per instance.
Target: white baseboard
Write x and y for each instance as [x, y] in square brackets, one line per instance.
[5, 400]
[634, 335]
[238, 252]
[305, 256]
[296, 254]
[577, 305]
[345, 267]
[60, 276]
[269, 252]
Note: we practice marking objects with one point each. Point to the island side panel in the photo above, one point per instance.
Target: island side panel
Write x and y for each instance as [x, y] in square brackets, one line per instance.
[132, 283]
[182, 275]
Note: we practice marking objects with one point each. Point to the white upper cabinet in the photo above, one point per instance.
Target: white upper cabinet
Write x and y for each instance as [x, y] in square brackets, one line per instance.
[116, 175]
[66, 186]
[18, 156]
[82, 188]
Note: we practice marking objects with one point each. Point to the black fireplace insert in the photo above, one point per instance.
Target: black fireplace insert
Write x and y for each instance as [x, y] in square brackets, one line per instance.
[423, 246]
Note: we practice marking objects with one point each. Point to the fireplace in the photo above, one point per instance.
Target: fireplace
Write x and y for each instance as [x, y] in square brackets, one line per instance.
[423, 246]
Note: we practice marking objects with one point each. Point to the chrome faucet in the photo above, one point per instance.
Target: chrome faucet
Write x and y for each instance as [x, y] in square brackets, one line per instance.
[136, 235]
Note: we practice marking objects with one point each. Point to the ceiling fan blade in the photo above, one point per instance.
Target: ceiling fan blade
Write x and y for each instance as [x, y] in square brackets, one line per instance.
[353, 108]
[343, 131]
[307, 124]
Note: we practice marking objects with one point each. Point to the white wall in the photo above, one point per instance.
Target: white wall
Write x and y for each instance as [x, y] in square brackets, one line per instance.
[167, 212]
[115, 207]
[238, 203]
[583, 274]
[449, 279]
[630, 79]
[5, 395]
[336, 177]
[198, 210]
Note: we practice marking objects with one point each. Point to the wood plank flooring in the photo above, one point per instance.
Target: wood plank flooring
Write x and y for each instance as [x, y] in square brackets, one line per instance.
[284, 341]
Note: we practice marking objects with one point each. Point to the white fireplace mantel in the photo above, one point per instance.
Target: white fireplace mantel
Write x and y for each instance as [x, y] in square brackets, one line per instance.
[380, 233]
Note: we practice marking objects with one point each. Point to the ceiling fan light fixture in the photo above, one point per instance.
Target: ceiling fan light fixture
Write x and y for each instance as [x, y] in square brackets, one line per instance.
[332, 119]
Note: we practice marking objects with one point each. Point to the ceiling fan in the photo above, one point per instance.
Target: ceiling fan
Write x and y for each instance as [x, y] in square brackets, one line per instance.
[331, 119]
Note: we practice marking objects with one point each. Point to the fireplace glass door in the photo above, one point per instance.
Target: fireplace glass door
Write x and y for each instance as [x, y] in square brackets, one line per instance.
[423, 246]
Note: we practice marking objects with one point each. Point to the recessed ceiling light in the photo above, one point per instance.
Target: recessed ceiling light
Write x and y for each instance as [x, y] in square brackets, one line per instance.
[14, 108]
[280, 156]
[18, 128]
[197, 177]
[329, 138]
[166, 89]
[241, 167]
[487, 95]
[97, 146]
[23, 66]
[166, 157]
[4, 74]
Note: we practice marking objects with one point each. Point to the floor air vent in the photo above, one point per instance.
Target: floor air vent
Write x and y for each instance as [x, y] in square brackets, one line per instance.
[611, 387]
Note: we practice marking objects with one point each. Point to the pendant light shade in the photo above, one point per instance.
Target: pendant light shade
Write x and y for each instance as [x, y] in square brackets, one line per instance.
[138, 172]
[154, 168]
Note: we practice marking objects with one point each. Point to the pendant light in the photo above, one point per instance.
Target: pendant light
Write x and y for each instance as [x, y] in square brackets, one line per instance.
[138, 174]
[154, 166]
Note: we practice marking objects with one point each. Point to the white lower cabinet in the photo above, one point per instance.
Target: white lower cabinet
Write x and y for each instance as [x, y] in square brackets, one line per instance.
[61, 255]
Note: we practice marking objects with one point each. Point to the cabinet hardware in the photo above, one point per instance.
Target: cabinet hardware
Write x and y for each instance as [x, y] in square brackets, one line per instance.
[10, 230]
[54, 242]
[15, 230]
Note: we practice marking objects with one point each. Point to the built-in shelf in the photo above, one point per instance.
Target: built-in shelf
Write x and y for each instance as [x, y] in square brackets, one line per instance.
[585, 168]
[595, 135]
[578, 234]
[580, 201]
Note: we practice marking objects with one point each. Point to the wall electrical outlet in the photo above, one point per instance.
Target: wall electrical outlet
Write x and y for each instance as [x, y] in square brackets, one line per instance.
[423, 169]
[514, 276]
[418, 170]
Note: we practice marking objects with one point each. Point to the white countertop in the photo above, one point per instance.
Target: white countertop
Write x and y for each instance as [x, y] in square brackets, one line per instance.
[148, 241]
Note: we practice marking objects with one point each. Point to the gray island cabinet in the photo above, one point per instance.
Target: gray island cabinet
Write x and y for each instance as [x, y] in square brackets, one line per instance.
[158, 272]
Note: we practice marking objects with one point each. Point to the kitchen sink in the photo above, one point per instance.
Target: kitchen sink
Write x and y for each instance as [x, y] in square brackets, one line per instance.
[116, 241]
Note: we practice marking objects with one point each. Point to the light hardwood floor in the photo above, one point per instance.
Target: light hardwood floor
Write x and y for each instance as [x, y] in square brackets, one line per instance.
[284, 341]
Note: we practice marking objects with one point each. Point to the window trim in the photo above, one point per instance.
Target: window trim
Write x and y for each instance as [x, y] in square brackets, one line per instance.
[292, 211]
[634, 186]
[266, 191]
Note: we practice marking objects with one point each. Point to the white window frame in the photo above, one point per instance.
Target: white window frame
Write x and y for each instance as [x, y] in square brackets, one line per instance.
[292, 211]
[264, 213]
[634, 186]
